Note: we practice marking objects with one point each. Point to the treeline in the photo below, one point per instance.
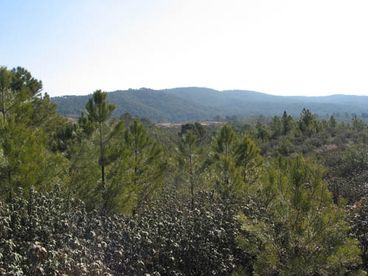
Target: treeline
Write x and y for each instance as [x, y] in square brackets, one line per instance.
[121, 196]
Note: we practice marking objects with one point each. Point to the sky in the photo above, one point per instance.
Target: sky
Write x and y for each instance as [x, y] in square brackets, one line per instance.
[283, 47]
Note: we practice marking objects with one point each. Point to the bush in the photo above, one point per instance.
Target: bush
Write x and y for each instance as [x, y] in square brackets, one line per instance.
[48, 235]
[359, 221]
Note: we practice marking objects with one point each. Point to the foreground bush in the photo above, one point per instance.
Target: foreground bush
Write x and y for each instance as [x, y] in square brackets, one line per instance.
[48, 235]
[51, 235]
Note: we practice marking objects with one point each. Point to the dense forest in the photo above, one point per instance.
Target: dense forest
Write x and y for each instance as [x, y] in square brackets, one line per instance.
[195, 103]
[110, 195]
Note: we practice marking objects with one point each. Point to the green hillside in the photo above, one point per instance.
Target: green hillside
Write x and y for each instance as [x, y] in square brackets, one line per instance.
[193, 103]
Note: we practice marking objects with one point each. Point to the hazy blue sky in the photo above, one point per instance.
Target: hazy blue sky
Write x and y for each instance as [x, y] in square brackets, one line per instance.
[309, 47]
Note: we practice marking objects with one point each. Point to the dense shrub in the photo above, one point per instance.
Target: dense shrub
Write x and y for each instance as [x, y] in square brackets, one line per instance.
[48, 235]
[359, 221]
[347, 175]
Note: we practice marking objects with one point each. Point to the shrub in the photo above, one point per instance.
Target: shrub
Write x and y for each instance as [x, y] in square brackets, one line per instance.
[48, 235]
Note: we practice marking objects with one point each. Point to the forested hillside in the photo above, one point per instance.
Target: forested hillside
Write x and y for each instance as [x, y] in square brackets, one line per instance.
[103, 195]
[185, 104]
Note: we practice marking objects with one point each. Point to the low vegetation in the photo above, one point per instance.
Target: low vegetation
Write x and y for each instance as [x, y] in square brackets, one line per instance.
[103, 195]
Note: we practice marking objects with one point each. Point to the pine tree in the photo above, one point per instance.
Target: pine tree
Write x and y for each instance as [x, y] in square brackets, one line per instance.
[248, 159]
[332, 122]
[6, 97]
[287, 123]
[99, 130]
[224, 164]
[298, 230]
[190, 161]
[98, 112]
[24, 142]
[138, 174]
[308, 123]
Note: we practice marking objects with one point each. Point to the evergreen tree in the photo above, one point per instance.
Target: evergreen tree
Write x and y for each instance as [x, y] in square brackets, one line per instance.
[308, 123]
[249, 160]
[96, 141]
[332, 122]
[190, 161]
[227, 177]
[287, 123]
[98, 112]
[7, 98]
[276, 127]
[139, 173]
[24, 141]
[29, 163]
[298, 230]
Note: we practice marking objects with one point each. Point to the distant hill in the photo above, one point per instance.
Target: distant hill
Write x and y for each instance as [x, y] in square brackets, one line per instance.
[194, 103]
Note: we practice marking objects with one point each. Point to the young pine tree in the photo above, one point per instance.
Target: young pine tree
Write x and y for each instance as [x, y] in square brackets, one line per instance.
[190, 161]
[98, 138]
[138, 174]
[298, 229]
[99, 112]
[227, 176]
[248, 160]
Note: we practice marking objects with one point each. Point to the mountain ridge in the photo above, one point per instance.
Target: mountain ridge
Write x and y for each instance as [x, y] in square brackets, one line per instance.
[200, 103]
